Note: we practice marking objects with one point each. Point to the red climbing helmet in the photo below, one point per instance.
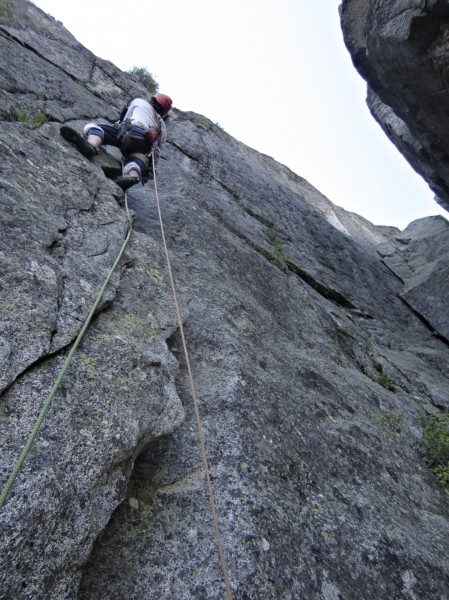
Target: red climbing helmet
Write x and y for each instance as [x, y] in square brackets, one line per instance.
[164, 101]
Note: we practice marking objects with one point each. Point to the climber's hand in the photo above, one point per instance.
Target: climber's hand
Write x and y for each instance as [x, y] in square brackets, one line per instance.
[151, 135]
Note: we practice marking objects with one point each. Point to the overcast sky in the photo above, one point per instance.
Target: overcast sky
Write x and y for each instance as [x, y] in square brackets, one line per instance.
[276, 75]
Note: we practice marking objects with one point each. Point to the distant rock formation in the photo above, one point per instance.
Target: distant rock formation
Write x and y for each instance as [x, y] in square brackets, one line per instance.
[401, 49]
[317, 342]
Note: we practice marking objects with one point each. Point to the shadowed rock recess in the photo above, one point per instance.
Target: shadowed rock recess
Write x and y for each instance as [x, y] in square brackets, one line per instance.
[317, 340]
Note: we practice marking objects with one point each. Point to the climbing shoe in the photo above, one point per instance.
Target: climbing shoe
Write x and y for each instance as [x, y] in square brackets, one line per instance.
[79, 141]
[126, 181]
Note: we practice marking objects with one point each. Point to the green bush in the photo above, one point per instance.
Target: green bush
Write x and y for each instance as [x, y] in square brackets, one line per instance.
[22, 115]
[385, 381]
[5, 8]
[202, 122]
[35, 120]
[435, 447]
[39, 118]
[388, 419]
[143, 76]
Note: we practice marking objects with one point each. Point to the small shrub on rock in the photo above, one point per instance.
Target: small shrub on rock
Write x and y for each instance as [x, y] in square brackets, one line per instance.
[143, 76]
[435, 447]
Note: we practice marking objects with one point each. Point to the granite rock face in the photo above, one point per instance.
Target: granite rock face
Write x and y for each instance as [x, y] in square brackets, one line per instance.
[61, 229]
[401, 49]
[316, 341]
[418, 257]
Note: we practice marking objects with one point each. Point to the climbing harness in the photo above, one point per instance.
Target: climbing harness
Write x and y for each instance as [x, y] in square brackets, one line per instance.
[26, 450]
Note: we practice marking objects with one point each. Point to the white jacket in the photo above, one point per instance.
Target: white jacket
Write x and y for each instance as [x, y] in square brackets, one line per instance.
[142, 114]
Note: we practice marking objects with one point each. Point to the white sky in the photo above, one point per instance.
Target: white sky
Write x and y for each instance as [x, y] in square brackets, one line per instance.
[276, 75]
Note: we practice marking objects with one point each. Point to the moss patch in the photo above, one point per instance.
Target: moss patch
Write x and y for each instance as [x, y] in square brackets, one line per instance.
[435, 447]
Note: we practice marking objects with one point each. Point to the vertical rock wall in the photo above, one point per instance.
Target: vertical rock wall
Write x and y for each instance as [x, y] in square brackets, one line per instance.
[313, 360]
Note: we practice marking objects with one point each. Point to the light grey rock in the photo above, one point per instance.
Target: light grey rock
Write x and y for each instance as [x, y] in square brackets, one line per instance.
[419, 259]
[61, 230]
[314, 463]
[310, 369]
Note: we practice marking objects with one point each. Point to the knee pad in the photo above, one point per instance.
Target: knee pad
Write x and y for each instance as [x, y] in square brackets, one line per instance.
[132, 166]
[139, 162]
[93, 129]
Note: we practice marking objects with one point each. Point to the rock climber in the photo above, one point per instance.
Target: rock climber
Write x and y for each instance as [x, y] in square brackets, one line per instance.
[140, 129]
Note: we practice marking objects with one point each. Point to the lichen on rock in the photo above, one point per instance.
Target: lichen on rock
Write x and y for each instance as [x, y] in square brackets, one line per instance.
[312, 370]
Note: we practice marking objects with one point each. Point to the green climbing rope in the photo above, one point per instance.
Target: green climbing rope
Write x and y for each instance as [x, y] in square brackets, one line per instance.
[31, 438]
